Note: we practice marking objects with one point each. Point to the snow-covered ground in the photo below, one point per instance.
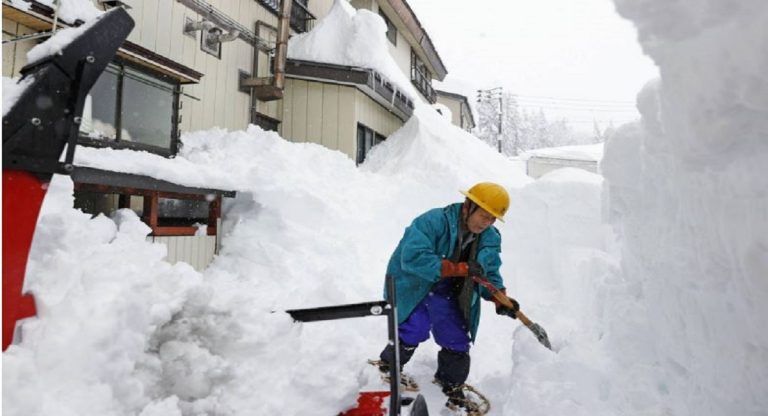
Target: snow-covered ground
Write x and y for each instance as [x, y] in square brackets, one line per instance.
[651, 283]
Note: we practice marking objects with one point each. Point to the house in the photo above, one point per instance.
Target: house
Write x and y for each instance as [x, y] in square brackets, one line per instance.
[545, 160]
[195, 64]
[461, 113]
[351, 109]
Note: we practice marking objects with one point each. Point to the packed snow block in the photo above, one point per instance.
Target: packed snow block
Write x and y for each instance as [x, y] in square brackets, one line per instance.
[48, 112]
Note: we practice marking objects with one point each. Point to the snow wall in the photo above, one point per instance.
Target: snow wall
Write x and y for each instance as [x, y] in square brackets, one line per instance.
[687, 193]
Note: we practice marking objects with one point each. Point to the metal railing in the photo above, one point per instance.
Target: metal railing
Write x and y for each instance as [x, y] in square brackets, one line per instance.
[423, 84]
[301, 18]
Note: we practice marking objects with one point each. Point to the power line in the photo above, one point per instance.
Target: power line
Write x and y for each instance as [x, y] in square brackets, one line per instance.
[603, 110]
[584, 100]
[574, 105]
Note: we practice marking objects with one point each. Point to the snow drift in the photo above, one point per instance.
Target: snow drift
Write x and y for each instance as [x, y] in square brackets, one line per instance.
[688, 195]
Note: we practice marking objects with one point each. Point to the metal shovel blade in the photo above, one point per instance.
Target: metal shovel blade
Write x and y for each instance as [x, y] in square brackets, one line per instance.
[541, 334]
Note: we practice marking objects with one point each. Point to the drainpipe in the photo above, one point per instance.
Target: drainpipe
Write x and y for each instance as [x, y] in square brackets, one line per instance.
[281, 52]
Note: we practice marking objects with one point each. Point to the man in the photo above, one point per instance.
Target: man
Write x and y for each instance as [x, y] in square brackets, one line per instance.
[432, 267]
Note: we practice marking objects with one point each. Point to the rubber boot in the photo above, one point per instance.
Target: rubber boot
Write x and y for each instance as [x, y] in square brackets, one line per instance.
[388, 356]
[452, 368]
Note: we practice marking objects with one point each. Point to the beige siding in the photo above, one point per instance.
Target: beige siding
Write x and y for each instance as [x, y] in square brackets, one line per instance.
[315, 112]
[299, 107]
[328, 114]
[9, 51]
[330, 106]
[160, 27]
[374, 116]
[197, 251]
[15, 54]
[347, 121]
[453, 105]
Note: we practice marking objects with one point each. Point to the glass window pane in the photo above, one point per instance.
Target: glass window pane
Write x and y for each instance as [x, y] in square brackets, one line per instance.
[360, 143]
[99, 109]
[147, 107]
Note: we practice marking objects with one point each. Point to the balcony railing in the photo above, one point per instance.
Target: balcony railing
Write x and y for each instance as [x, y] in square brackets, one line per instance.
[301, 19]
[423, 84]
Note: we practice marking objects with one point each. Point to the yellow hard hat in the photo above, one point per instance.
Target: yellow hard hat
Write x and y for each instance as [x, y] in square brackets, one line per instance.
[490, 197]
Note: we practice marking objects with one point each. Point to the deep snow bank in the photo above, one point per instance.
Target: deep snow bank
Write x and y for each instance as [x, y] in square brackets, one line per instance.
[308, 228]
[688, 195]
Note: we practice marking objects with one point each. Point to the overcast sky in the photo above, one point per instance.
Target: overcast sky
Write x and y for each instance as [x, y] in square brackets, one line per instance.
[574, 58]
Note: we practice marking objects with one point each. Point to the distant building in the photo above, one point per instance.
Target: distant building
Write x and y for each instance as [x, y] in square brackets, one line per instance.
[542, 161]
[461, 113]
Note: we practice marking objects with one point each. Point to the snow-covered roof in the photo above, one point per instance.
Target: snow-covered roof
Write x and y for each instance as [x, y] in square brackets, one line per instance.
[589, 152]
[355, 38]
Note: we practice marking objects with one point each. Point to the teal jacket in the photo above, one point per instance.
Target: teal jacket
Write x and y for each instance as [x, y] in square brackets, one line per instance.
[415, 264]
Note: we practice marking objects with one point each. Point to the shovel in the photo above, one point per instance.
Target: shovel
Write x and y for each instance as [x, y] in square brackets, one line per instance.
[497, 294]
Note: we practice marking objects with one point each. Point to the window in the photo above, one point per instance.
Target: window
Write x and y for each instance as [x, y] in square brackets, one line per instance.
[366, 139]
[265, 122]
[209, 42]
[181, 212]
[301, 18]
[422, 78]
[131, 108]
[391, 29]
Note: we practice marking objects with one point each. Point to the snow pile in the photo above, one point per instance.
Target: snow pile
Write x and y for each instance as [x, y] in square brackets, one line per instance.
[350, 37]
[688, 196]
[101, 292]
[428, 143]
[56, 43]
[308, 228]
[71, 11]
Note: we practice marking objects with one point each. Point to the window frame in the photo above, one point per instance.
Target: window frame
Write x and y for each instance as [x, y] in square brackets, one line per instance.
[203, 46]
[375, 138]
[421, 78]
[116, 143]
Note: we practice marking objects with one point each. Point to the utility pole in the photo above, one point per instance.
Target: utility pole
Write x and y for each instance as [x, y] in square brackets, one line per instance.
[491, 94]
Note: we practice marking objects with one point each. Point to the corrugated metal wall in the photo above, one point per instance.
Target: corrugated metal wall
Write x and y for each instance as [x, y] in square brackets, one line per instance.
[373, 115]
[328, 114]
[320, 113]
[197, 251]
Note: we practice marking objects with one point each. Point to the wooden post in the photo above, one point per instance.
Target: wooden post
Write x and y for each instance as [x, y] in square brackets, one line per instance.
[150, 210]
[214, 213]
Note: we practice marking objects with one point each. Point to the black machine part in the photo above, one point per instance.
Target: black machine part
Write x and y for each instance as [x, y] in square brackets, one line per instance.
[377, 308]
[47, 115]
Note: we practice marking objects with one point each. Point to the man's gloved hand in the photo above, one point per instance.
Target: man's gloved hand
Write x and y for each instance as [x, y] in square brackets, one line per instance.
[475, 269]
[451, 269]
[503, 310]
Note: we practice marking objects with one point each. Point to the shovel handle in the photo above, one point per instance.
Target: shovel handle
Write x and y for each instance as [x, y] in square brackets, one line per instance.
[502, 298]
